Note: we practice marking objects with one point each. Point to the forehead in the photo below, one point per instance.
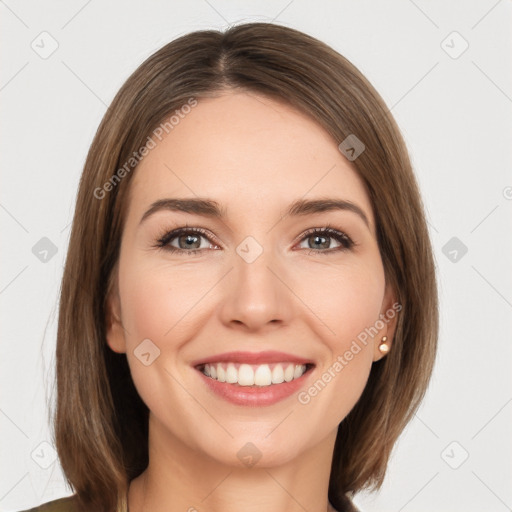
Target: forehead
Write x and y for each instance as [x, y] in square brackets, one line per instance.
[250, 153]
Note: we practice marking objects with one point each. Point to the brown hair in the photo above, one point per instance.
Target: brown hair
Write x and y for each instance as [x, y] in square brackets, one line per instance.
[101, 423]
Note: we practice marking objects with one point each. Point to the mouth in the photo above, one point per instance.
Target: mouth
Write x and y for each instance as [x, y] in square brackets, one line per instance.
[254, 379]
[254, 375]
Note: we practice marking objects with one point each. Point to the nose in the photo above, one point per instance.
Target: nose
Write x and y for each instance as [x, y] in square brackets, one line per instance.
[256, 294]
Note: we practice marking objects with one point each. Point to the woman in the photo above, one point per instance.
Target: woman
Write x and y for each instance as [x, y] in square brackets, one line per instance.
[248, 315]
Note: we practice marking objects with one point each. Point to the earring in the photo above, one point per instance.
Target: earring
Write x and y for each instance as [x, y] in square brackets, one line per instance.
[384, 347]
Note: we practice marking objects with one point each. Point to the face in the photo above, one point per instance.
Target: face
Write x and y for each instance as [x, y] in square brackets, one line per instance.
[257, 291]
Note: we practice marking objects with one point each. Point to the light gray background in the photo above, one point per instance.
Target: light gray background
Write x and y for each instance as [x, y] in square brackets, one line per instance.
[455, 114]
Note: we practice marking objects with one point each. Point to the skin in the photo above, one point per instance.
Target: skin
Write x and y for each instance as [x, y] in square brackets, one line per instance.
[254, 156]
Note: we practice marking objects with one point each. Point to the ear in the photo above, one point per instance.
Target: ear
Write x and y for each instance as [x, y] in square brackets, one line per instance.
[388, 322]
[115, 333]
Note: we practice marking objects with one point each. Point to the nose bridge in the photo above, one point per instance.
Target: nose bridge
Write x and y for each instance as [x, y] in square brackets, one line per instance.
[253, 264]
[257, 294]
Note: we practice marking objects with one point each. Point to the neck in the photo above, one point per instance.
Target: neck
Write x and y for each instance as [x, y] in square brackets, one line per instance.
[179, 478]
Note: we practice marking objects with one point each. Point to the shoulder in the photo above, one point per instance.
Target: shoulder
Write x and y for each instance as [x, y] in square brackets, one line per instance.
[67, 504]
[351, 506]
[345, 504]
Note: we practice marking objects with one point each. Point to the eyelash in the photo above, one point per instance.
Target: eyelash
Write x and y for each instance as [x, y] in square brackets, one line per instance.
[163, 241]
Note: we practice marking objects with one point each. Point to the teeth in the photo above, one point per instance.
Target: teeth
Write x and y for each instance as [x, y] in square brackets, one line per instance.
[288, 373]
[277, 374]
[245, 375]
[297, 371]
[262, 376]
[231, 374]
[254, 375]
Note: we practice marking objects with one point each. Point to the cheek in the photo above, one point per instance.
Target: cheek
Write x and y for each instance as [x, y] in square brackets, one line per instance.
[154, 308]
[340, 302]
[156, 301]
[161, 303]
[348, 302]
[347, 299]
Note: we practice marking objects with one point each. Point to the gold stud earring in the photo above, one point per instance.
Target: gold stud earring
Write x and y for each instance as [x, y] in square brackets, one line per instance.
[384, 347]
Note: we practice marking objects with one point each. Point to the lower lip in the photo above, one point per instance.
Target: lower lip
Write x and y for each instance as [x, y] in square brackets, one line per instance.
[255, 396]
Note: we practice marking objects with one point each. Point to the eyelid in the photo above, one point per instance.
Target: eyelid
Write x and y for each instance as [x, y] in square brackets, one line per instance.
[343, 238]
[170, 234]
[163, 240]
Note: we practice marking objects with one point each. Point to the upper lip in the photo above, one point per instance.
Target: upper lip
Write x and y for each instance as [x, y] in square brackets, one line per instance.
[268, 356]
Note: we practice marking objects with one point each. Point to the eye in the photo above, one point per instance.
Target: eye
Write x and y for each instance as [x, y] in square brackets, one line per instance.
[184, 240]
[188, 241]
[321, 238]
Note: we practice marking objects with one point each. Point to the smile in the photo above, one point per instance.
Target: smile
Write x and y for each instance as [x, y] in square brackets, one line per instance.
[253, 378]
[254, 375]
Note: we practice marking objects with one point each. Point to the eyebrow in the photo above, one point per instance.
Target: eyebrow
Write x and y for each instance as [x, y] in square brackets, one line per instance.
[210, 208]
